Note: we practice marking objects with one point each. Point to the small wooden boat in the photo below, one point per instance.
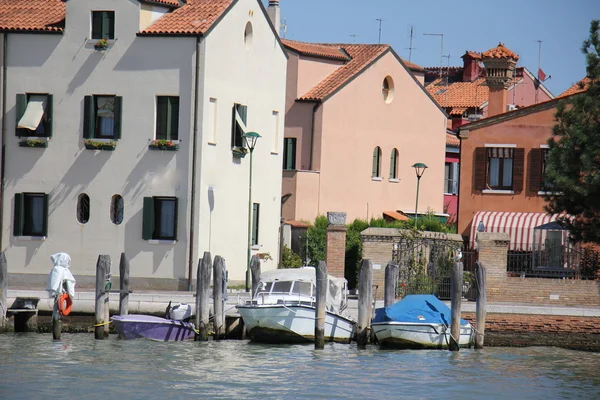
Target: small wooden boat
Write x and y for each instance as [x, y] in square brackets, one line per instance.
[173, 328]
[418, 321]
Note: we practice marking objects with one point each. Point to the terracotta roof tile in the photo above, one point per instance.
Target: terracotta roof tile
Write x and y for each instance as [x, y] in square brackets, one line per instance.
[315, 49]
[452, 140]
[500, 51]
[194, 18]
[32, 15]
[472, 54]
[171, 3]
[580, 86]
[459, 94]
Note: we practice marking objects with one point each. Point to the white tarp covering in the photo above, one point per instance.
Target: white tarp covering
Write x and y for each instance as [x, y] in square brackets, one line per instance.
[60, 273]
[33, 113]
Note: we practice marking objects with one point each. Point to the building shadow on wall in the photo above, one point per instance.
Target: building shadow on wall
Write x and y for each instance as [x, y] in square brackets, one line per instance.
[85, 71]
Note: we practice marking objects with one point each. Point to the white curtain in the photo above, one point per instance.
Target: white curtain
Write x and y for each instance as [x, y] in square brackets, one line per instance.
[167, 219]
[106, 115]
[33, 113]
[494, 171]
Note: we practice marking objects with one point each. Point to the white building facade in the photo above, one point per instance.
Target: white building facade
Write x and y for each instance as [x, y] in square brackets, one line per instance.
[130, 148]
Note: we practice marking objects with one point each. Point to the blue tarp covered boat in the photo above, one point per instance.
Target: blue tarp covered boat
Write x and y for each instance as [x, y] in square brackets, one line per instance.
[417, 321]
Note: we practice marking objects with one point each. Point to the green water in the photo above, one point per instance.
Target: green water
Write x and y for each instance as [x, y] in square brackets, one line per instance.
[33, 366]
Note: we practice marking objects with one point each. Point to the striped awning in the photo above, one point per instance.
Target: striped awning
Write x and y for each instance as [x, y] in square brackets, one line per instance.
[519, 226]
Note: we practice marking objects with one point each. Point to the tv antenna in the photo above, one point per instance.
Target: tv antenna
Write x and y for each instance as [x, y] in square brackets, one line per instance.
[380, 21]
[410, 48]
[283, 27]
[441, 35]
[354, 35]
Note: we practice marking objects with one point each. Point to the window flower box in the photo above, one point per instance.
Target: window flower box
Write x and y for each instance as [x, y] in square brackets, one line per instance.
[41, 143]
[101, 44]
[239, 152]
[98, 145]
[162, 144]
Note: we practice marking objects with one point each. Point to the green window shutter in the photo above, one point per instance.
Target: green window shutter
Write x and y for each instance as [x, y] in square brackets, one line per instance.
[243, 111]
[176, 218]
[111, 24]
[97, 25]
[45, 225]
[393, 164]
[89, 117]
[118, 116]
[375, 171]
[162, 112]
[233, 126]
[255, 222]
[49, 110]
[148, 221]
[19, 216]
[20, 106]
[106, 25]
[173, 118]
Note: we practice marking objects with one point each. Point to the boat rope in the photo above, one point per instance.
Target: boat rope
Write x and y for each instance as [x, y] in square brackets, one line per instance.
[477, 332]
[102, 324]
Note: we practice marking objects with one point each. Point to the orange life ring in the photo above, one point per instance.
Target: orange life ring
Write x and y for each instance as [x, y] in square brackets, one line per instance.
[64, 304]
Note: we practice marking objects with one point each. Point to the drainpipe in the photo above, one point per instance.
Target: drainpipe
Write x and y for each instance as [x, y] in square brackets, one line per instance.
[194, 157]
[3, 163]
[312, 136]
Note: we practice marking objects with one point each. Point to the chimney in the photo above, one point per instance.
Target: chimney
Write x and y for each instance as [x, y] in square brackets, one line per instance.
[471, 68]
[499, 72]
[274, 14]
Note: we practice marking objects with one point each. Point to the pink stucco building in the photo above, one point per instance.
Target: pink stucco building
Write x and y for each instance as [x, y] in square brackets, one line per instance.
[357, 119]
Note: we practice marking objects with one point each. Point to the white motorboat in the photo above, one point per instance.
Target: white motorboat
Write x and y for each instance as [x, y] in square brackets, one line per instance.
[283, 308]
[418, 321]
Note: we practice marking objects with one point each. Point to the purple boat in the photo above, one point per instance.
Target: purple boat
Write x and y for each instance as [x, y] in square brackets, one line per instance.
[154, 328]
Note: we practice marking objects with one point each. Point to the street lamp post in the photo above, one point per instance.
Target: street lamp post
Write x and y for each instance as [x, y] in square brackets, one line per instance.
[419, 170]
[250, 139]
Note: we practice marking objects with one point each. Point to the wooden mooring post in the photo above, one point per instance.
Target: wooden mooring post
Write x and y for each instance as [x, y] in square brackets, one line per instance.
[3, 292]
[255, 271]
[455, 305]
[391, 284]
[219, 272]
[365, 299]
[124, 285]
[203, 297]
[321, 278]
[102, 298]
[480, 307]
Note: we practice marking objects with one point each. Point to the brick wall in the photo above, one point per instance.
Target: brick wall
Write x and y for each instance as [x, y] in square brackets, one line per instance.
[335, 249]
[522, 323]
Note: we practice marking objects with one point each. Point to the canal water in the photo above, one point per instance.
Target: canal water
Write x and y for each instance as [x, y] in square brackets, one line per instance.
[33, 366]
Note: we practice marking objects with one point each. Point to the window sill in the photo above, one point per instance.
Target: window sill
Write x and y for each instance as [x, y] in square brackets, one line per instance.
[393, 180]
[543, 193]
[34, 142]
[275, 153]
[92, 44]
[210, 143]
[161, 144]
[452, 194]
[100, 144]
[376, 178]
[161, 241]
[32, 238]
[255, 247]
[494, 191]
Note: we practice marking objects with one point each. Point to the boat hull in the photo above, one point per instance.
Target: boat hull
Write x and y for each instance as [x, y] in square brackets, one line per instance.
[292, 324]
[410, 335]
[151, 327]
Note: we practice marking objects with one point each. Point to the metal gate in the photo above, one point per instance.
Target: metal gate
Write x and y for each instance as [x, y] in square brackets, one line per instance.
[425, 264]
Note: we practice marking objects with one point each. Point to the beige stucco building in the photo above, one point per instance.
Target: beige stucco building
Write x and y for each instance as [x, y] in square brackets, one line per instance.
[357, 119]
[187, 77]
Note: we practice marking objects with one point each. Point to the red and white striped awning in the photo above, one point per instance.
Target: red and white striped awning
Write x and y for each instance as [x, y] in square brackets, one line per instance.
[518, 225]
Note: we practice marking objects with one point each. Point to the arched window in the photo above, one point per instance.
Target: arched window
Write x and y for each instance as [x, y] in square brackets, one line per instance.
[83, 208]
[394, 164]
[248, 34]
[387, 89]
[117, 208]
[376, 162]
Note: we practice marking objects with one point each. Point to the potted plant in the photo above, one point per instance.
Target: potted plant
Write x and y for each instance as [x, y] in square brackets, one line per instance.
[33, 143]
[91, 144]
[239, 152]
[163, 144]
[101, 44]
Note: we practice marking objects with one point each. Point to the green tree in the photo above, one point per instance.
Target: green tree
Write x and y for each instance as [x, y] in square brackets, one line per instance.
[289, 259]
[317, 236]
[573, 165]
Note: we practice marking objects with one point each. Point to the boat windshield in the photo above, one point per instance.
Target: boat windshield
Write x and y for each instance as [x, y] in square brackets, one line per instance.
[282, 287]
[302, 288]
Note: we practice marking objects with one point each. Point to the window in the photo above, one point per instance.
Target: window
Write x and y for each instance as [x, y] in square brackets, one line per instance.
[30, 214]
[451, 178]
[302, 288]
[167, 117]
[275, 132]
[160, 218]
[102, 117]
[281, 287]
[103, 24]
[255, 223]
[83, 208]
[538, 180]
[394, 164]
[212, 115]
[289, 153]
[238, 126]
[248, 33]
[117, 209]
[376, 162]
[387, 89]
[34, 115]
[499, 168]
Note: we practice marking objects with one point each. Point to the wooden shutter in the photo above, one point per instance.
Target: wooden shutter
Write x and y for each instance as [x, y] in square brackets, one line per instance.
[393, 164]
[49, 110]
[148, 221]
[97, 24]
[233, 126]
[21, 106]
[19, 216]
[176, 200]
[89, 117]
[118, 116]
[45, 222]
[375, 168]
[535, 170]
[518, 169]
[255, 221]
[173, 118]
[106, 26]
[480, 168]
[162, 112]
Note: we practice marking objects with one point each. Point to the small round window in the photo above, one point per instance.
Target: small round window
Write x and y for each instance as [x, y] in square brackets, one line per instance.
[388, 89]
[117, 208]
[83, 208]
[248, 35]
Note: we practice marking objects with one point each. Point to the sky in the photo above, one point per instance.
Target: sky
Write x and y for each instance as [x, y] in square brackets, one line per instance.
[561, 25]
